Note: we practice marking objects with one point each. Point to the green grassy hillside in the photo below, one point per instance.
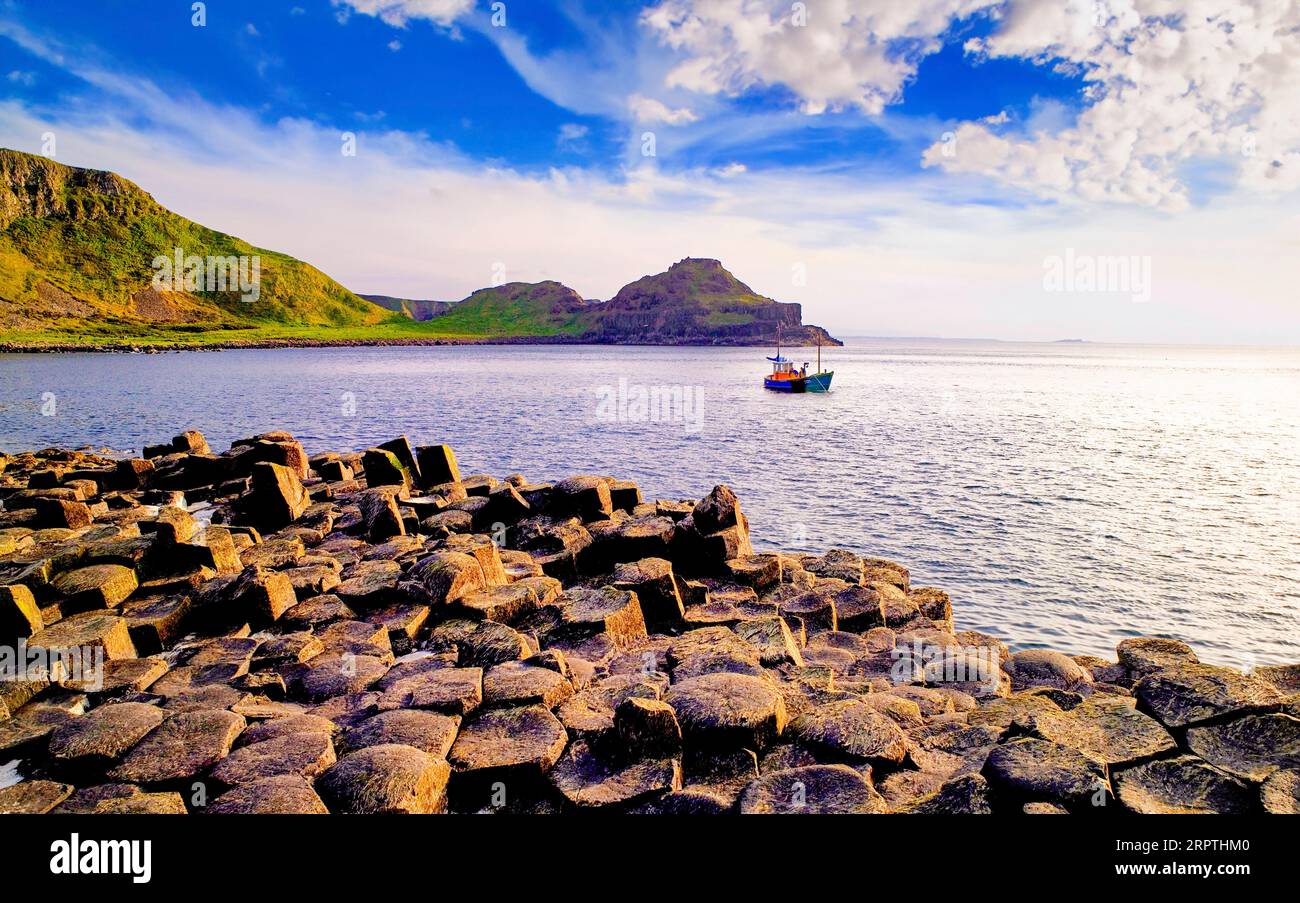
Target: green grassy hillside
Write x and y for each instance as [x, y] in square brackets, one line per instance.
[77, 252]
[517, 309]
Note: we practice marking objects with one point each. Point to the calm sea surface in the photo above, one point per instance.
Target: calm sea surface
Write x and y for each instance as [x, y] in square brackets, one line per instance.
[1066, 495]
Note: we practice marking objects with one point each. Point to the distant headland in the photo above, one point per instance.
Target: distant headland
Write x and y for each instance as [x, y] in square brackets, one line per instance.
[92, 261]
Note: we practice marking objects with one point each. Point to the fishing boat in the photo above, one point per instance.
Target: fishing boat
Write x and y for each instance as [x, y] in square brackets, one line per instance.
[785, 378]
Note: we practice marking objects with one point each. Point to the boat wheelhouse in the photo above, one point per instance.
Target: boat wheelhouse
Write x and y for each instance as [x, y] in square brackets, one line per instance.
[784, 377]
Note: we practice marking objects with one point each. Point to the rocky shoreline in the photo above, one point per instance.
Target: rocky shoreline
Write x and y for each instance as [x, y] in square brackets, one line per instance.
[163, 348]
[376, 632]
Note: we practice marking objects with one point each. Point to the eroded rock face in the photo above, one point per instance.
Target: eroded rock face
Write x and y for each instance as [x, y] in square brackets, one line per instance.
[378, 633]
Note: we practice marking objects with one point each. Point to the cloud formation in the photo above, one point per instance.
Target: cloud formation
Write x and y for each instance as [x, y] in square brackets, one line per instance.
[1168, 84]
[647, 109]
[398, 12]
[831, 53]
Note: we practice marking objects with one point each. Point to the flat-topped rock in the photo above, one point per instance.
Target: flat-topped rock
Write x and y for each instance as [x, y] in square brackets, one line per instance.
[586, 611]
[431, 732]
[589, 781]
[454, 691]
[1186, 694]
[104, 734]
[288, 794]
[304, 754]
[95, 587]
[1251, 747]
[73, 635]
[852, 727]
[1039, 770]
[33, 797]
[1046, 668]
[528, 739]
[182, 747]
[728, 710]
[1280, 794]
[1184, 785]
[1142, 655]
[1112, 732]
[520, 683]
[387, 779]
[811, 790]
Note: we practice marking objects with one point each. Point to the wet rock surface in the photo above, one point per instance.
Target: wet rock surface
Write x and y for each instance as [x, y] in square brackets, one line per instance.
[376, 633]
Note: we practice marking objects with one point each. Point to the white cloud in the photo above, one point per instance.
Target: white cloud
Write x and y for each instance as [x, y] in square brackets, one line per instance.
[832, 53]
[572, 136]
[398, 12]
[20, 77]
[1170, 84]
[394, 45]
[647, 109]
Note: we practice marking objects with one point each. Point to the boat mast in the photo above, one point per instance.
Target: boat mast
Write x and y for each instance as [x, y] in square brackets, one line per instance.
[819, 352]
[778, 341]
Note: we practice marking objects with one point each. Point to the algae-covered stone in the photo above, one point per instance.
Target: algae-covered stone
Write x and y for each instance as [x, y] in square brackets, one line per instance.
[1185, 695]
[1280, 794]
[33, 797]
[1041, 770]
[389, 779]
[95, 587]
[72, 636]
[852, 727]
[479, 644]
[431, 732]
[287, 794]
[1046, 668]
[520, 683]
[20, 616]
[728, 710]
[590, 781]
[524, 740]
[305, 754]
[1142, 655]
[455, 691]
[811, 790]
[1251, 747]
[183, 746]
[1182, 786]
[1112, 732]
[104, 734]
[966, 794]
[170, 803]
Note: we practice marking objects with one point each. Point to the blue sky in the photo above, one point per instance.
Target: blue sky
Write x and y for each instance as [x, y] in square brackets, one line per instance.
[897, 173]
